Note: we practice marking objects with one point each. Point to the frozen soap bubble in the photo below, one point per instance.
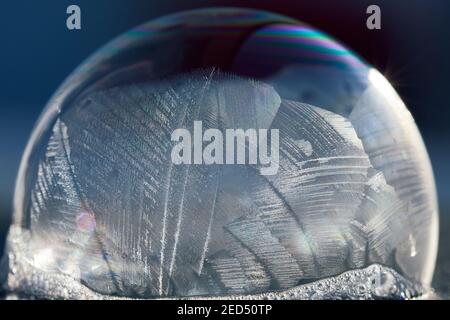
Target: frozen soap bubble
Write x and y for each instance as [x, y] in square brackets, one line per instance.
[224, 152]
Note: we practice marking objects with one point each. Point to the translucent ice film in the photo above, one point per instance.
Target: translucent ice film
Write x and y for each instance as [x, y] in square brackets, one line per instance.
[340, 187]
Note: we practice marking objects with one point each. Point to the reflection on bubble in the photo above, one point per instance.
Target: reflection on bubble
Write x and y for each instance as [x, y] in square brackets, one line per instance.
[97, 187]
[86, 222]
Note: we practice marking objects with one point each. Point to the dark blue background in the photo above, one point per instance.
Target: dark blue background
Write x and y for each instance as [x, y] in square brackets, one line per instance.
[37, 52]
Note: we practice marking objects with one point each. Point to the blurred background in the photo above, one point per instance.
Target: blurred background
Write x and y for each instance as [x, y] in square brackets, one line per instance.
[412, 50]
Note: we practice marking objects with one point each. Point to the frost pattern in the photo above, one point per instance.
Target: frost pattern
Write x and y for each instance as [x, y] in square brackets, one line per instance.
[188, 230]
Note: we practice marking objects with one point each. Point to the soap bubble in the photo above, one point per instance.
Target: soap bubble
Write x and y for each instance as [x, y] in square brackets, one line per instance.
[339, 186]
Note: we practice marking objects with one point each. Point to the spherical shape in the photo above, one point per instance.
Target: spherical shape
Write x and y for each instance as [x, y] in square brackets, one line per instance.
[224, 152]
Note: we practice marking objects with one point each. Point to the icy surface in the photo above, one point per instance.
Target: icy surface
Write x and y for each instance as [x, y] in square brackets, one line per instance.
[109, 208]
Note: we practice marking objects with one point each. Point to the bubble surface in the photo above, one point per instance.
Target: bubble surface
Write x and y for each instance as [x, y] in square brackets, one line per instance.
[326, 172]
